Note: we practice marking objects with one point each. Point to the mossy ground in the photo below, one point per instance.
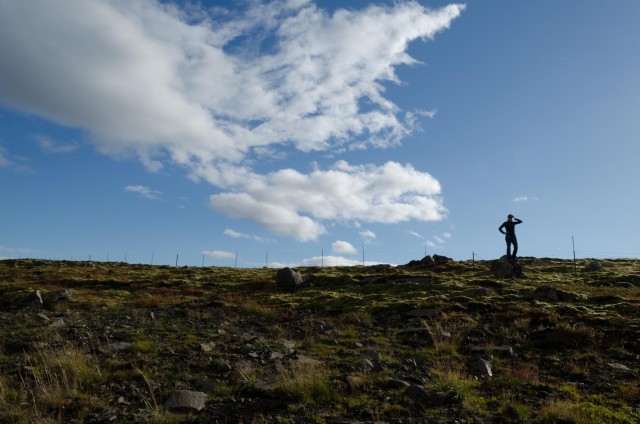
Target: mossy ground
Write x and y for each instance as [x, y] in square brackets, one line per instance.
[333, 350]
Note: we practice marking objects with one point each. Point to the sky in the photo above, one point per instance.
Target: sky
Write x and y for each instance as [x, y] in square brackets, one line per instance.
[300, 132]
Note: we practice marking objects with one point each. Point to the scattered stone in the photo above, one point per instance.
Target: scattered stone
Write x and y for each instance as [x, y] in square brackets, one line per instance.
[208, 347]
[482, 368]
[438, 259]
[185, 401]
[288, 280]
[116, 347]
[44, 317]
[57, 296]
[421, 336]
[59, 323]
[366, 365]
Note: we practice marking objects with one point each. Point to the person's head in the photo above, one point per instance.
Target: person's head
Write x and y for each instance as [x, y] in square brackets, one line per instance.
[510, 217]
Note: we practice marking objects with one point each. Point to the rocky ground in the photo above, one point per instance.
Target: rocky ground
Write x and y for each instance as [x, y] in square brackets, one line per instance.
[435, 341]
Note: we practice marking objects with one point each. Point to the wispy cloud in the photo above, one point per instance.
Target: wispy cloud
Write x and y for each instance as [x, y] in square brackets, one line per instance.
[414, 234]
[17, 250]
[219, 254]
[235, 234]
[15, 164]
[524, 198]
[145, 192]
[148, 78]
[48, 145]
[342, 247]
[367, 235]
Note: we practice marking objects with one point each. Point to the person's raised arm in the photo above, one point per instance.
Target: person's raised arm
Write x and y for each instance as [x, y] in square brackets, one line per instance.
[517, 220]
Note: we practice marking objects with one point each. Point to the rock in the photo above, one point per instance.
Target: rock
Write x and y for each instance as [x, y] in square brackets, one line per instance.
[288, 280]
[57, 296]
[416, 393]
[59, 323]
[34, 300]
[552, 293]
[481, 368]
[116, 347]
[546, 292]
[593, 266]
[421, 336]
[185, 401]
[621, 367]
[502, 269]
[501, 350]
[207, 347]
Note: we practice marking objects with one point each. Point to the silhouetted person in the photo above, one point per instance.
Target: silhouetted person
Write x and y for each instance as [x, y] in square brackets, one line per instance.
[510, 235]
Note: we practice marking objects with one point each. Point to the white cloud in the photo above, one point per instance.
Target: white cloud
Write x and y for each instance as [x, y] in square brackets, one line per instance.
[235, 234]
[415, 234]
[524, 198]
[146, 78]
[21, 250]
[219, 254]
[367, 235]
[290, 203]
[343, 248]
[145, 192]
[49, 145]
[323, 261]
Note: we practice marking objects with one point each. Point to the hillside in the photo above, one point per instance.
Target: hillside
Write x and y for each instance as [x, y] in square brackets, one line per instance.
[445, 342]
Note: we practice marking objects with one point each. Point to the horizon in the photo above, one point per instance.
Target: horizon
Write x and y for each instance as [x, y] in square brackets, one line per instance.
[310, 132]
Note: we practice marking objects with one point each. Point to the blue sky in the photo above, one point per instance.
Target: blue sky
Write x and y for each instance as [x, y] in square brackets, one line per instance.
[304, 132]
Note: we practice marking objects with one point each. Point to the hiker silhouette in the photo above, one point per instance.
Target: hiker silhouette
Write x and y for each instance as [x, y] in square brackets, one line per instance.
[508, 228]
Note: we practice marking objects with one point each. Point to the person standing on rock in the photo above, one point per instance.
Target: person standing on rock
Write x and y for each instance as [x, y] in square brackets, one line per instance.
[508, 228]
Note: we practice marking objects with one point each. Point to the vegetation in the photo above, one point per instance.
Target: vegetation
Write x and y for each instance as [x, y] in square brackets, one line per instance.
[449, 342]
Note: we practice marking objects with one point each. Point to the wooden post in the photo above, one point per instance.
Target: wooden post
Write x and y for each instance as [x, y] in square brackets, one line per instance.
[236, 264]
[362, 253]
[202, 260]
[575, 266]
[176, 259]
[322, 260]
[473, 258]
[152, 257]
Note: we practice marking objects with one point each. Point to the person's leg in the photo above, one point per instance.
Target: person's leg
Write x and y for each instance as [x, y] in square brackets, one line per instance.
[508, 240]
[515, 248]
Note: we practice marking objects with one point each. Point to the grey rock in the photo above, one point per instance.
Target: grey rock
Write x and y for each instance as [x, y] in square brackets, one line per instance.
[395, 383]
[593, 266]
[288, 280]
[482, 368]
[116, 347]
[417, 393]
[59, 323]
[502, 269]
[57, 296]
[185, 401]
[558, 338]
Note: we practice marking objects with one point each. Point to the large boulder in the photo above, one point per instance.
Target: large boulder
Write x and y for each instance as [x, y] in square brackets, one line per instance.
[288, 280]
[503, 269]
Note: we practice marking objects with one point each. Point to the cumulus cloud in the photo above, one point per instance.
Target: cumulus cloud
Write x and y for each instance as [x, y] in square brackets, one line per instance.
[290, 203]
[145, 192]
[324, 261]
[219, 254]
[343, 248]
[147, 78]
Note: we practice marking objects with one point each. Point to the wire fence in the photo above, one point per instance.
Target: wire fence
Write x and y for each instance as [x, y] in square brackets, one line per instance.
[277, 258]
